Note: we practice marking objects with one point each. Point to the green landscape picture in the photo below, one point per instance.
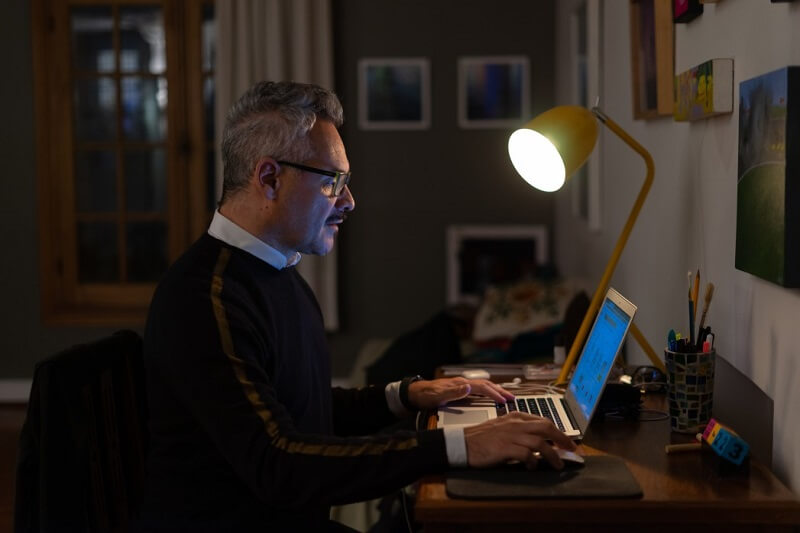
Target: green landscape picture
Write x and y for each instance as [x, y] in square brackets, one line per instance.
[761, 187]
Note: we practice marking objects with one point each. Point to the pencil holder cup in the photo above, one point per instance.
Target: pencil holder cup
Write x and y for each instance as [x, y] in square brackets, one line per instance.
[690, 389]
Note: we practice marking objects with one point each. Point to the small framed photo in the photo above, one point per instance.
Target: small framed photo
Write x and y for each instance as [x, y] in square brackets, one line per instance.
[652, 58]
[394, 94]
[493, 92]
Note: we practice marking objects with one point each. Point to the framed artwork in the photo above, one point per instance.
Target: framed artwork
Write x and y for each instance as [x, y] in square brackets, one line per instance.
[493, 92]
[586, 52]
[394, 94]
[686, 10]
[479, 256]
[652, 57]
[704, 91]
[767, 195]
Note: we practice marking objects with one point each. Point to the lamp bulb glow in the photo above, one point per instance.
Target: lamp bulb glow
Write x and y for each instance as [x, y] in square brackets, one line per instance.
[537, 160]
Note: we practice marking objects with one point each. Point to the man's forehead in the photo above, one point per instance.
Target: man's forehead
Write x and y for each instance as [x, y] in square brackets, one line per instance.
[327, 144]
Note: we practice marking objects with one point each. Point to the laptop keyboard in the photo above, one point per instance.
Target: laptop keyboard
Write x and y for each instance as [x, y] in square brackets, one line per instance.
[543, 407]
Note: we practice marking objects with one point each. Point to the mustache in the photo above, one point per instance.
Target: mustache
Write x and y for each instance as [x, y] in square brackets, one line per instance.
[338, 218]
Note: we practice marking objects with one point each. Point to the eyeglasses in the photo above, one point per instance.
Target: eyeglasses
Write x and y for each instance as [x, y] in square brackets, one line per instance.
[340, 179]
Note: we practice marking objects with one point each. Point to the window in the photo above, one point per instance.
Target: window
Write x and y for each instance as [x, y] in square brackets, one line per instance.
[125, 149]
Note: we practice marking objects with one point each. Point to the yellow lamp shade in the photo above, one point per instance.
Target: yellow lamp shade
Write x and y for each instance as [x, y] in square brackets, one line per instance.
[552, 146]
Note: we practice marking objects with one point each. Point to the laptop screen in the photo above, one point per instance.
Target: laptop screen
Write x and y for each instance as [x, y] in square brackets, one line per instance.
[598, 355]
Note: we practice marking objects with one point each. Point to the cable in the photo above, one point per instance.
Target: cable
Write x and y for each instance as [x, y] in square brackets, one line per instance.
[648, 379]
[537, 388]
[405, 509]
[652, 415]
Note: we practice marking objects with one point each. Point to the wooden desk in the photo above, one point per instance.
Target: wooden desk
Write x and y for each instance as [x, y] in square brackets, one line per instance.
[682, 493]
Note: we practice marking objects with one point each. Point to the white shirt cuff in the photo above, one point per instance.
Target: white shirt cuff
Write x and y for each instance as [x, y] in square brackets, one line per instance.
[456, 446]
[392, 392]
[454, 442]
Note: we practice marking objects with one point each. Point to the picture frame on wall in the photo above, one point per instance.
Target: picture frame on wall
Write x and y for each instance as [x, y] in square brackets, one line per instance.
[586, 52]
[767, 198]
[479, 256]
[394, 93]
[493, 91]
[652, 58]
[686, 10]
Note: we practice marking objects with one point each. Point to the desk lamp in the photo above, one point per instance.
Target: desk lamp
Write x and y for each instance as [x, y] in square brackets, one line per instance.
[546, 152]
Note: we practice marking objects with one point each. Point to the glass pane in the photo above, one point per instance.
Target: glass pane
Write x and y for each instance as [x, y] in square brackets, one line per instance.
[143, 46]
[97, 252]
[209, 38]
[146, 253]
[144, 108]
[211, 180]
[208, 103]
[95, 109]
[146, 180]
[95, 181]
[92, 41]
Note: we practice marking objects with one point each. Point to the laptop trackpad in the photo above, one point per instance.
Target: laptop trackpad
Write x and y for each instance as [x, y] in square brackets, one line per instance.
[467, 417]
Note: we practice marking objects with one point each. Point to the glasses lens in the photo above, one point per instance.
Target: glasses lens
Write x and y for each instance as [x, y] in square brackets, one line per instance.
[343, 180]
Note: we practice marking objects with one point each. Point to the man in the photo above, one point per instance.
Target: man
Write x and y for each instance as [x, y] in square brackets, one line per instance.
[246, 433]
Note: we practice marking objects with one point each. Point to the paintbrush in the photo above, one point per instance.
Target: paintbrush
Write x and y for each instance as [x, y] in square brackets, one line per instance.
[706, 304]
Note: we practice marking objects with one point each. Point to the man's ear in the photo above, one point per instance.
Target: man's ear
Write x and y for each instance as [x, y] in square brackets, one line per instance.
[267, 171]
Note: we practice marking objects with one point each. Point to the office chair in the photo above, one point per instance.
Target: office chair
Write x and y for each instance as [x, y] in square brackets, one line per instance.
[82, 446]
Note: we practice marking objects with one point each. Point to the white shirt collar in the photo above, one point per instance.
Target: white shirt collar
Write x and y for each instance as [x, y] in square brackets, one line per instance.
[227, 231]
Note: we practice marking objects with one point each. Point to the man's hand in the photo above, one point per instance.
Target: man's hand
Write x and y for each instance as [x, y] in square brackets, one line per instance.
[515, 436]
[437, 392]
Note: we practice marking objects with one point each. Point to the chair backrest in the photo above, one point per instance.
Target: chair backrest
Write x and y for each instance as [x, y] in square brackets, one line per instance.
[82, 446]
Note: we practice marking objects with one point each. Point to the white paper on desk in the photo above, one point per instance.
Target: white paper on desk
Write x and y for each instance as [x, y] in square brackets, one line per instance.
[493, 369]
[546, 371]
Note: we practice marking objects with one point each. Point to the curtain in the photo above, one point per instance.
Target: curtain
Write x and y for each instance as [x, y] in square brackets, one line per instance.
[277, 40]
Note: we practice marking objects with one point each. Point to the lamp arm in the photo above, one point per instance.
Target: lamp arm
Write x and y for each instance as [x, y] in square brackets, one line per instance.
[577, 343]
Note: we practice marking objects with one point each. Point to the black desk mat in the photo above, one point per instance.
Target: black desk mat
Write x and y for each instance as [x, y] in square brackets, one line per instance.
[601, 477]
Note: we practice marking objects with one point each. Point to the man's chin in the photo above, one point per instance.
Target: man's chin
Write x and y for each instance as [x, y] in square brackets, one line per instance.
[322, 247]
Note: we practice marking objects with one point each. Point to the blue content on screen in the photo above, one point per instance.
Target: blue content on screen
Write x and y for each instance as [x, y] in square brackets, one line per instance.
[598, 355]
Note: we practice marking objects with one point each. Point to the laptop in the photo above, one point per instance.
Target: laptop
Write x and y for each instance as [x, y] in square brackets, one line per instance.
[573, 411]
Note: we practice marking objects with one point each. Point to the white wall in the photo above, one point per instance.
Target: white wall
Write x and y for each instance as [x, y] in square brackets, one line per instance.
[756, 322]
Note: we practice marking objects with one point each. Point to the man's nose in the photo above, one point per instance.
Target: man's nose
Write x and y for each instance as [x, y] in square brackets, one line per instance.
[345, 201]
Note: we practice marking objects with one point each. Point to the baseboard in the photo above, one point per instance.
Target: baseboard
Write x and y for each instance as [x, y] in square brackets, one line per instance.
[15, 390]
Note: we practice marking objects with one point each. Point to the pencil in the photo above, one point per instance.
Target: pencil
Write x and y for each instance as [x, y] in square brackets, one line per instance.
[691, 310]
[696, 290]
[688, 447]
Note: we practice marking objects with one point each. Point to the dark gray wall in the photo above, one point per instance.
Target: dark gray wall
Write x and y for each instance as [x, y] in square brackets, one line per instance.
[410, 185]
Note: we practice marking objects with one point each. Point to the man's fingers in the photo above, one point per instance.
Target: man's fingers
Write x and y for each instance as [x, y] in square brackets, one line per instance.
[490, 390]
[484, 388]
[516, 436]
[503, 392]
[537, 425]
[560, 439]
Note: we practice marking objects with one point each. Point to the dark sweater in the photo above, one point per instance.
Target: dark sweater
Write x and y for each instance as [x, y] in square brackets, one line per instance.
[245, 431]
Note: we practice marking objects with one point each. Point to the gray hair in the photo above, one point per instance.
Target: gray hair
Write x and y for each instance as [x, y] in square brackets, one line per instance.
[272, 119]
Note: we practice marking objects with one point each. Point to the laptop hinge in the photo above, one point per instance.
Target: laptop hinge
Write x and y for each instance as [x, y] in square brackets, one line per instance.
[565, 408]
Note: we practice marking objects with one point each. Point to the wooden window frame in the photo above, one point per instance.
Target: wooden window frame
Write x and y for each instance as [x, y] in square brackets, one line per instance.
[66, 301]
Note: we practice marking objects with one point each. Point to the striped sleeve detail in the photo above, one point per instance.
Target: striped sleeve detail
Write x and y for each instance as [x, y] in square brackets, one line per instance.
[271, 427]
